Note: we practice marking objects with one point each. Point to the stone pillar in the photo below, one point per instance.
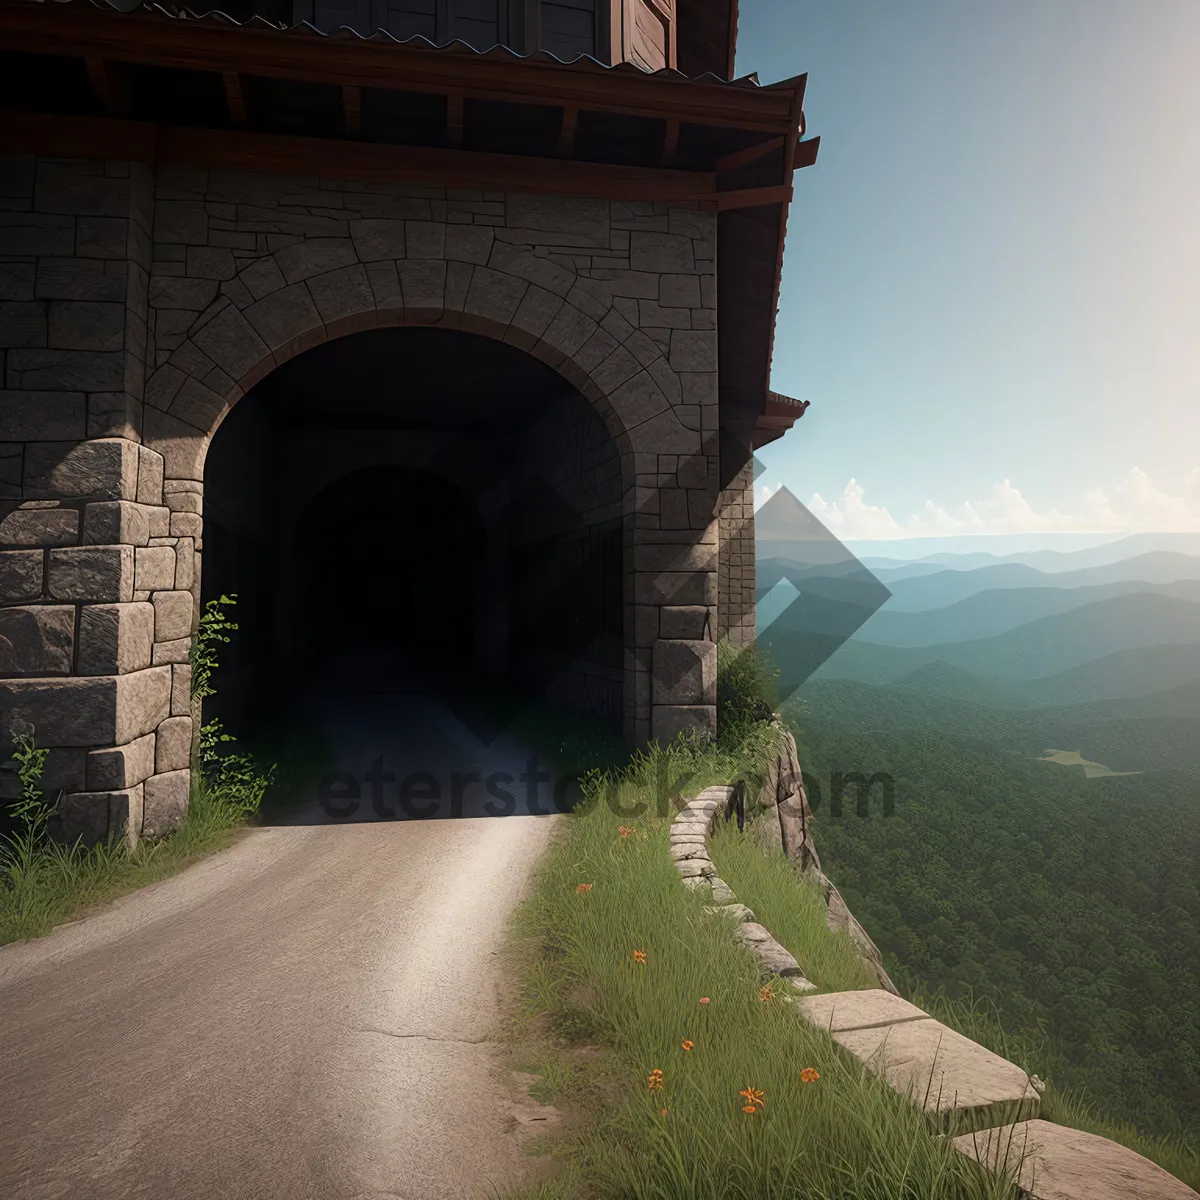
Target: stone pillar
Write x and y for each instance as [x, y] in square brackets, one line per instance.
[736, 574]
[94, 607]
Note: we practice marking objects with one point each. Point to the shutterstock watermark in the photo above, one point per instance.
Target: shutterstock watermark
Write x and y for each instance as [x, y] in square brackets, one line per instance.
[429, 795]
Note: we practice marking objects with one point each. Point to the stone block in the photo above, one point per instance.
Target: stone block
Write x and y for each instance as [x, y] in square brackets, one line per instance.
[37, 640]
[42, 416]
[175, 651]
[121, 766]
[185, 563]
[115, 639]
[34, 234]
[494, 295]
[686, 556]
[693, 350]
[675, 587]
[172, 615]
[773, 958]
[67, 370]
[342, 293]
[154, 568]
[679, 291]
[173, 745]
[104, 711]
[125, 814]
[315, 256]
[685, 672]
[20, 576]
[284, 316]
[115, 522]
[79, 279]
[22, 323]
[181, 690]
[17, 280]
[946, 1074]
[685, 621]
[84, 817]
[189, 525]
[99, 469]
[469, 243]
[377, 238]
[165, 802]
[86, 325]
[662, 253]
[668, 721]
[149, 476]
[182, 292]
[1055, 1162]
[836, 1012]
[36, 526]
[97, 574]
[230, 340]
[423, 284]
[585, 220]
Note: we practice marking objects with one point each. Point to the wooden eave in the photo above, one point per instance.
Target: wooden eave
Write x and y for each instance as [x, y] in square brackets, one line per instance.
[41, 27]
[779, 414]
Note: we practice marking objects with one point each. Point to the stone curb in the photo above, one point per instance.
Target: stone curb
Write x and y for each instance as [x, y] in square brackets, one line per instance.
[689, 851]
[1052, 1173]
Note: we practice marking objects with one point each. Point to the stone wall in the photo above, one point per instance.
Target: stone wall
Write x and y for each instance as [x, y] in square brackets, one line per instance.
[138, 306]
[736, 575]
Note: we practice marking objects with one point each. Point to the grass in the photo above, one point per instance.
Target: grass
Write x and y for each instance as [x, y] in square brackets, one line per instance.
[60, 882]
[844, 1135]
[791, 907]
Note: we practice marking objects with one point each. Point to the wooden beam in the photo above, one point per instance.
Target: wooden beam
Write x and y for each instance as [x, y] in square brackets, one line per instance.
[743, 158]
[670, 143]
[566, 133]
[780, 193]
[806, 153]
[235, 101]
[454, 120]
[199, 45]
[102, 137]
[352, 110]
[111, 85]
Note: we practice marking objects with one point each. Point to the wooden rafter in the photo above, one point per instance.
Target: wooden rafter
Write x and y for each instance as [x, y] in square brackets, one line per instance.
[352, 110]
[197, 45]
[454, 120]
[235, 101]
[566, 133]
[743, 158]
[670, 143]
[111, 85]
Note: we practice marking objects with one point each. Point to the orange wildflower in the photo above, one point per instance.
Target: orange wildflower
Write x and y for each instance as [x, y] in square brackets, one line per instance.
[753, 1097]
[765, 994]
[625, 830]
[705, 1000]
[662, 1112]
[687, 1043]
[749, 1108]
[639, 956]
[655, 1080]
[809, 1075]
[583, 887]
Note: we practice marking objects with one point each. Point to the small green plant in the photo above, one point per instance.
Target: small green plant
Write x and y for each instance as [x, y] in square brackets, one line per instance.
[746, 691]
[23, 851]
[213, 631]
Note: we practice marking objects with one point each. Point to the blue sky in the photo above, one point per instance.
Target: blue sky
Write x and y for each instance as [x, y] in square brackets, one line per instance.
[991, 286]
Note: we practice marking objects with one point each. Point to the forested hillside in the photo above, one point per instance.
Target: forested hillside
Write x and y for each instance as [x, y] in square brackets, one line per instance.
[1072, 903]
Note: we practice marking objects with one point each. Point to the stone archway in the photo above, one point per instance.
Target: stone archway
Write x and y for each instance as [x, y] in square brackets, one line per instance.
[227, 275]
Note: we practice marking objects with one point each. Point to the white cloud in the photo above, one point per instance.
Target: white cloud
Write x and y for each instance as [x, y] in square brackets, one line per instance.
[1134, 503]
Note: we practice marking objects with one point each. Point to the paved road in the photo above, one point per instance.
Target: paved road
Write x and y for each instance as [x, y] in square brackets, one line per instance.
[304, 1015]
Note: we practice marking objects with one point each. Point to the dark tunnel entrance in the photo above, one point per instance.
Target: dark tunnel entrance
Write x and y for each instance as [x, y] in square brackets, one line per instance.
[416, 510]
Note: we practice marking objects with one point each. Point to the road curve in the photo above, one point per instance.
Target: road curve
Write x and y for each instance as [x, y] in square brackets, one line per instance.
[305, 1014]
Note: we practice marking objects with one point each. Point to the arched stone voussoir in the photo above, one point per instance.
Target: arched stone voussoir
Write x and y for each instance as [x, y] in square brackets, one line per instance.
[284, 317]
[182, 446]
